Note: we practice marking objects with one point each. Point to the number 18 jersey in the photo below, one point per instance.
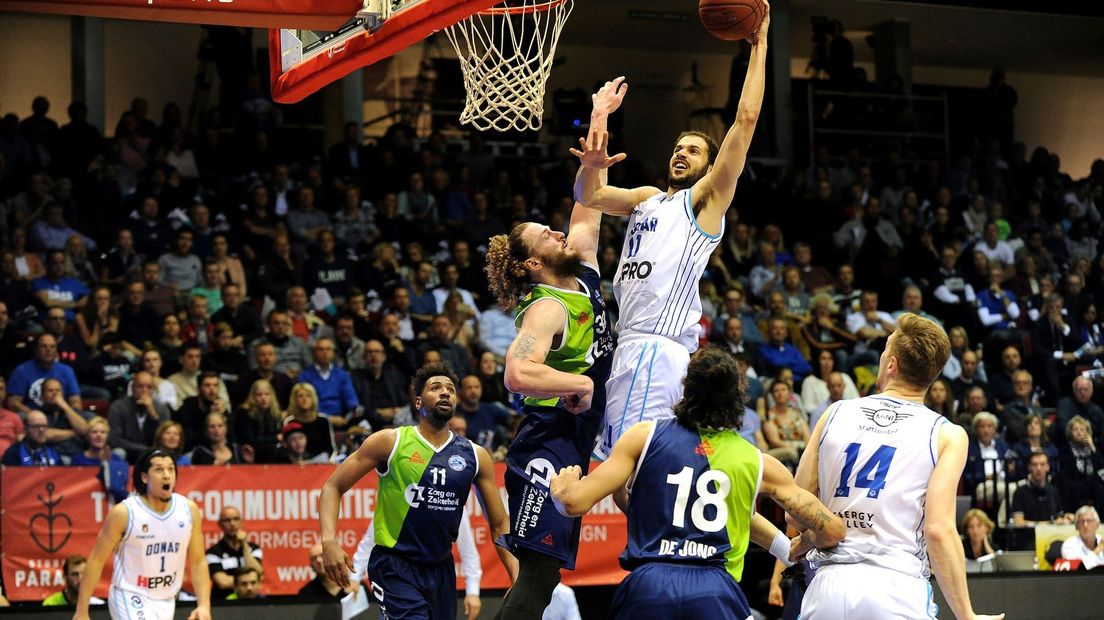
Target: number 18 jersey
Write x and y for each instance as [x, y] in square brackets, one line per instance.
[875, 457]
[693, 495]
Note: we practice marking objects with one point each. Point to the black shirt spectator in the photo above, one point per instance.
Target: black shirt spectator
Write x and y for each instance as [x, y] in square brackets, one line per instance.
[134, 418]
[1038, 500]
[240, 316]
[230, 553]
[139, 324]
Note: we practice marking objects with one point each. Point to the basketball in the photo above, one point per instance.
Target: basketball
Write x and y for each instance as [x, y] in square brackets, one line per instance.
[731, 20]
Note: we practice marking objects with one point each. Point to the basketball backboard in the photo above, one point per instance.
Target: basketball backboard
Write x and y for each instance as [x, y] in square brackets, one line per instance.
[303, 60]
[254, 14]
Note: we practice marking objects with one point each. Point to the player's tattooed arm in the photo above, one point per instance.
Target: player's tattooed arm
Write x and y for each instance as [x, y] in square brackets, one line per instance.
[824, 529]
[527, 372]
[526, 341]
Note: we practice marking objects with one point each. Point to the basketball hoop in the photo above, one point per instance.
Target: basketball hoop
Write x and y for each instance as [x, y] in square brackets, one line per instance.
[506, 55]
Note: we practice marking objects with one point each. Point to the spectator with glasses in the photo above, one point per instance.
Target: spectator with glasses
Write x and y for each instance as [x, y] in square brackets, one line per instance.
[33, 450]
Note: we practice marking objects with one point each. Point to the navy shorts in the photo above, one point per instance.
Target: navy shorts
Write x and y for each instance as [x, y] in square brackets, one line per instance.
[406, 590]
[679, 592]
[548, 440]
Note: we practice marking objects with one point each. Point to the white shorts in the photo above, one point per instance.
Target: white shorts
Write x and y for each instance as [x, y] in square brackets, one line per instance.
[123, 605]
[644, 383]
[866, 592]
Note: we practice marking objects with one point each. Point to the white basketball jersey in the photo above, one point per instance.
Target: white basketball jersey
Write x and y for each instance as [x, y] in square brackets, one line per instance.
[664, 255]
[150, 558]
[876, 455]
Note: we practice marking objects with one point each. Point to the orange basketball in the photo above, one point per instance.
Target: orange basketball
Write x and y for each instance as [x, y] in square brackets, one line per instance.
[731, 20]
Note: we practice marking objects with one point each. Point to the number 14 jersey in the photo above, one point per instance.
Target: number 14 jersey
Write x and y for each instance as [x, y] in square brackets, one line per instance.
[875, 457]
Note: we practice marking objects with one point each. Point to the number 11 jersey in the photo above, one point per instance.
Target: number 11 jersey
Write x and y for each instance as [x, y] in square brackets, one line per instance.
[875, 458]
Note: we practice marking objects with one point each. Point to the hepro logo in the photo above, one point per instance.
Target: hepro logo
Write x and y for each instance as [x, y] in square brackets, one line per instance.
[635, 270]
[415, 495]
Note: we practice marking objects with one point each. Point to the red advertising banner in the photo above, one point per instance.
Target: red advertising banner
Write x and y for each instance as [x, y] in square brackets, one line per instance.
[50, 514]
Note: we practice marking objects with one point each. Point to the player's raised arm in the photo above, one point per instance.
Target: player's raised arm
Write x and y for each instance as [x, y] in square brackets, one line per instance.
[526, 371]
[944, 545]
[824, 529]
[497, 517]
[374, 451]
[713, 194]
[582, 233]
[197, 564]
[112, 532]
[574, 496]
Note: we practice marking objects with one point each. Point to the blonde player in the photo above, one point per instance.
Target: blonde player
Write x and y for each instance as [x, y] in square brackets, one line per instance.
[152, 534]
[889, 466]
[669, 238]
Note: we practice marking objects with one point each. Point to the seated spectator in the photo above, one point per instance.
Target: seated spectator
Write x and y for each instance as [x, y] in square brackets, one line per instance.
[975, 403]
[170, 344]
[181, 269]
[1080, 404]
[953, 290]
[138, 322]
[815, 278]
[464, 319]
[133, 419]
[845, 295]
[327, 269]
[997, 306]
[68, 428]
[777, 353]
[292, 354]
[215, 448]
[871, 327]
[336, 398]
[226, 359]
[73, 570]
[169, 437]
[969, 378]
[240, 316]
[293, 448]
[277, 272]
[348, 349]
[186, 381]
[734, 306]
[1024, 403]
[823, 333]
[1079, 483]
[996, 250]
[486, 423]
[939, 398]
[977, 528]
[33, 450]
[230, 267]
[304, 410]
[25, 383]
[423, 304]
[114, 471]
[98, 317]
[232, 552]
[399, 349]
[160, 296]
[354, 224]
[71, 350]
[836, 385]
[247, 585]
[122, 263]
[984, 472]
[1033, 439]
[321, 586]
[306, 324]
[1038, 501]
[256, 423]
[264, 367]
[111, 369]
[211, 286]
[382, 389]
[11, 425]
[815, 389]
[766, 276]
[304, 221]
[1086, 546]
[57, 290]
[786, 428]
[912, 301]
[441, 338]
[493, 384]
[13, 344]
[198, 329]
[194, 411]
[163, 389]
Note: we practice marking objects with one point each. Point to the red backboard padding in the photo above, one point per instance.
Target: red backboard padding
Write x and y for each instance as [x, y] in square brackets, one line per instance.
[307, 14]
[396, 34]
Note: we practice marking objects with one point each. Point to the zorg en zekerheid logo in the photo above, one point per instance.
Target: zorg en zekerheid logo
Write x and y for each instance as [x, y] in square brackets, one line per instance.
[57, 525]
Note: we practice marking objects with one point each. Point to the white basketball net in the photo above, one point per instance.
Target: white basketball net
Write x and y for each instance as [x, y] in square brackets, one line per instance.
[506, 56]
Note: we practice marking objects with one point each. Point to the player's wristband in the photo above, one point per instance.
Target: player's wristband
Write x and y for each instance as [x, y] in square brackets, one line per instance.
[780, 548]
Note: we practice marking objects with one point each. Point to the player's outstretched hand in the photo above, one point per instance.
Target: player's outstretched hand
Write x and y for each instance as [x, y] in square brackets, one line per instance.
[200, 613]
[761, 34]
[609, 97]
[593, 154]
[472, 605]
[336, 563]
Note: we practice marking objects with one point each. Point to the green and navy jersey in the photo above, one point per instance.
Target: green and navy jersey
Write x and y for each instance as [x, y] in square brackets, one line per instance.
[692, 498]
[587, 344]
[421, 495]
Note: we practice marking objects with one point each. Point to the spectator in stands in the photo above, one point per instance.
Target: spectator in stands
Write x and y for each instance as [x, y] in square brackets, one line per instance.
[337, 400]
[327, 269]
[114, 472]
[11, 424]
[13, 344]
[734, 341]
[815, 389]
[51, 232]
[734, 306]
[304, 222]
[382, 272]
[1000, 383]
[198, 330]
[256, 423]
[824, 334]
[815, 278]
[161, 297]
[872, 327]
[186, 380]
[151, 232]
[71, 349]
[486, 423]
[400, 350]
[492, 383]
[348, 349]
[181, 269]
[230, 267]
[953, 290]
[240, 316]
[977, 528]
[912, 301]
[1086, 546]
[1038, 501]
[967, 379]
[984, 472]
[423, 304]
[122, 263]
[171, 345]
[262, 227]
[264, 362]
[111, 369]
[778, 353]
[33, 450]
[133, 419]
[975, 402]
[998, 252]
[68, 428]
[138, 322]
[293, 449]
[997, 306]
[939, 398]
[57, 290]
[194, 410]
[321, 586]
[77, 263]
[169, 437]
[354, 224]
[73, 570]
[247, 585]
[1033, 439]
[215, 448]
[767, 275]
[305, 324]
[1080, 404]
[1024, 403]
[25, 383]
[277, 272]
[211, 286]
[441, 338]
[1079, 461]
[836, 385]
[226, 358]
[303, 409]
[1074, 294]
[232, 552]
[786, 428]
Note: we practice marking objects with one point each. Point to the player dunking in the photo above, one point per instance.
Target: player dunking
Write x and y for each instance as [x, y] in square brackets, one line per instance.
[890, 466]
[668, 241]
[559, 361]
[153, 534]
[425, 475]
[691, 514]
